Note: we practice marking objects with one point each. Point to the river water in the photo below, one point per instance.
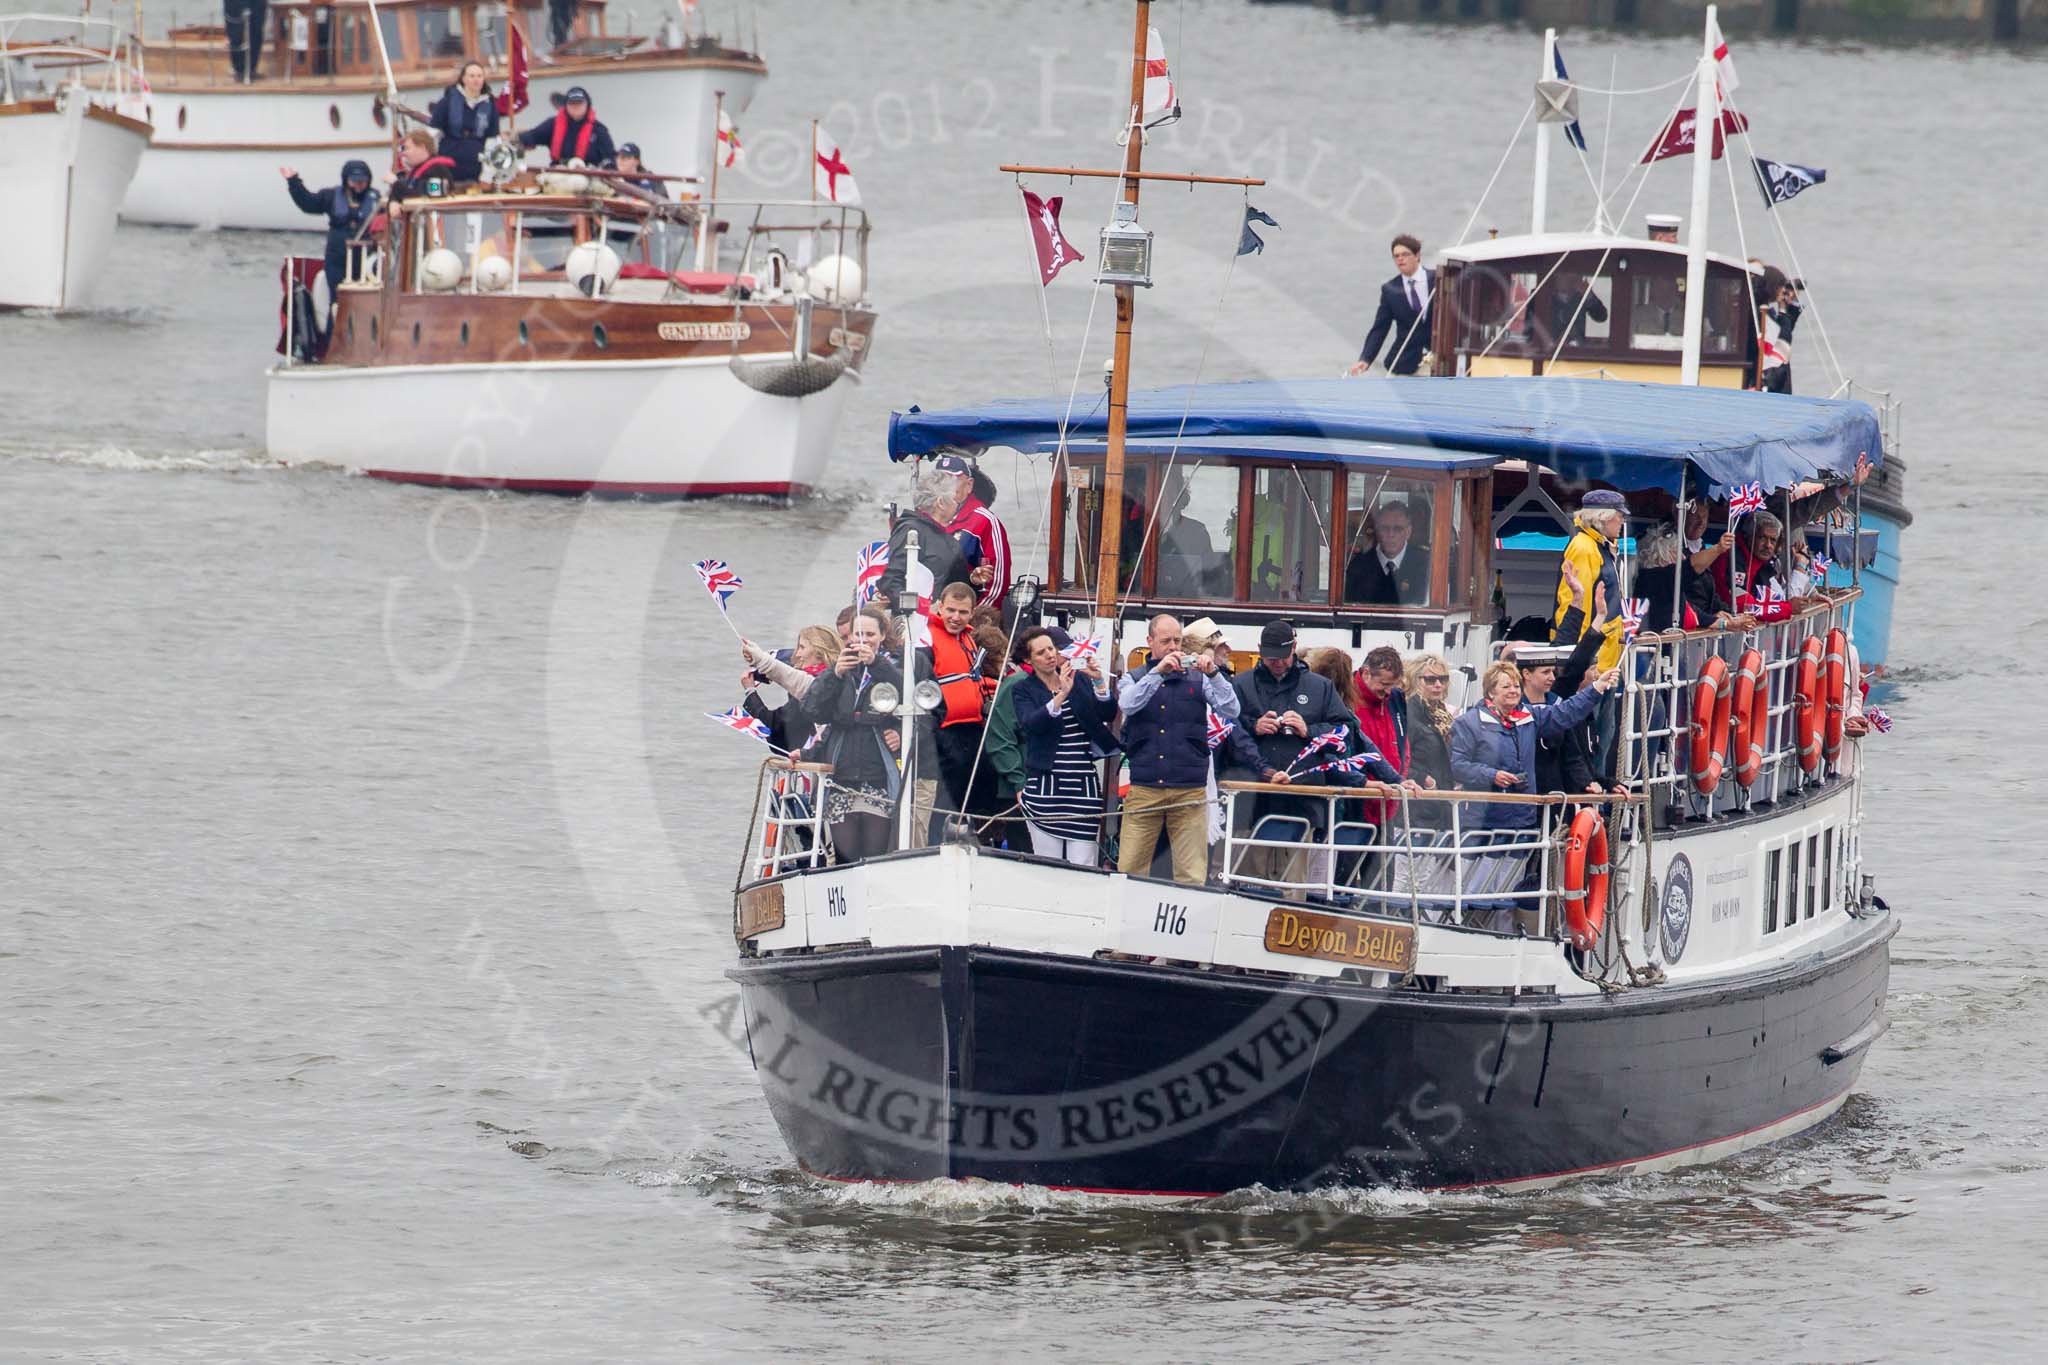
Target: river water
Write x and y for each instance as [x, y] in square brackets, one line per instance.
[366, 880]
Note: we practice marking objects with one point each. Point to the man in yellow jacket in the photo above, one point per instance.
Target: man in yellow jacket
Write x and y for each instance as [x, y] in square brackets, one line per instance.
[1593, 551]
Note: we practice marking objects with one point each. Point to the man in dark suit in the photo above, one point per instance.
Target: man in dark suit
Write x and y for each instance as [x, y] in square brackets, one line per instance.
[1391, 572]
[1405, 310]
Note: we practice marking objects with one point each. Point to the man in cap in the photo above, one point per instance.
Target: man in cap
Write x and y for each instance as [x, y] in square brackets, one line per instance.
[1564, 763]
[1282, 705]
[983, 541]
[573, 134]
[349, 207]
[1663, 227]
[629, 165]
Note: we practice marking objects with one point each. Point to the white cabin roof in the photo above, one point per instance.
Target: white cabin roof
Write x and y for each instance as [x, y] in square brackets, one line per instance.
[1558, 243]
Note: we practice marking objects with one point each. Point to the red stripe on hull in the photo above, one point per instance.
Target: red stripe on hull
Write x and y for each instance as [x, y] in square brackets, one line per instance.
[706, 489]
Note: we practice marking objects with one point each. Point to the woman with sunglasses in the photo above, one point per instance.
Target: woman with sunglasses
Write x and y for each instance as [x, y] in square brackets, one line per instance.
[1428, 688]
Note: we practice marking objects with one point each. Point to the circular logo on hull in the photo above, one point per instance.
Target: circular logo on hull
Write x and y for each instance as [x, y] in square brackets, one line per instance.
[1674, 913]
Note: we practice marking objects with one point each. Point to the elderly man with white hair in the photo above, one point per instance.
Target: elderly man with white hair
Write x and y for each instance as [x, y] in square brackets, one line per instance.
[934, 498]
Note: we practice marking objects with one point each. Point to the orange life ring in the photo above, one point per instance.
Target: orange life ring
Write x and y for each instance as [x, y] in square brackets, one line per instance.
[1586, 872]
[1834, 690]
[1808, 692]
[1709, 725]
[1749, 717]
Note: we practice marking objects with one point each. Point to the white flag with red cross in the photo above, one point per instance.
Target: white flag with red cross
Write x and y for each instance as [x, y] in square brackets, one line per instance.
[831, 179]
[1158, 77]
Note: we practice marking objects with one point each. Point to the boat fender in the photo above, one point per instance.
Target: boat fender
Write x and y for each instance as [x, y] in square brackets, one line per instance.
[1749, 717]
[1834, 690]
[440, 270]
[593, 268]
[1586, 874]
[1710, 702]
[1807, 691]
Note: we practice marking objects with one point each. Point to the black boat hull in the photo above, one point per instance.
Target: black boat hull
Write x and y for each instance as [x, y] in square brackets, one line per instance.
[977, 1062]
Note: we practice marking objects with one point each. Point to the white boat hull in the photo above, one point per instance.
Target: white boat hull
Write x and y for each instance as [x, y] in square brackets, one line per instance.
[65, 168]
[215, 159]
[662, 428]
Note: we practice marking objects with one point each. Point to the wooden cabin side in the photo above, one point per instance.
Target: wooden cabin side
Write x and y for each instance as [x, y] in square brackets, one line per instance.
[1506, 316]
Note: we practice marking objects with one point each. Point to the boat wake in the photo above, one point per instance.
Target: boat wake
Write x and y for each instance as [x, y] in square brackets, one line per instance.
[126, 460]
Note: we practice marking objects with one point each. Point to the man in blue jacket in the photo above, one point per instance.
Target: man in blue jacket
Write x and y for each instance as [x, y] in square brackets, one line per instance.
[349, 207]
[1165, 708]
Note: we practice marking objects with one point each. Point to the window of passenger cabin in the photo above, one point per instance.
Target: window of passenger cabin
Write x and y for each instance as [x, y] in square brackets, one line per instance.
[1389, 528]
[1772, 861]
[1812, 875]
[440, 32]
[1197, 559]
[394, 37]
[1287, 545]
[1791, 916]
[1827, 871]
[490, 35]
[1082, 532]
[348, 42]
[1657, 307]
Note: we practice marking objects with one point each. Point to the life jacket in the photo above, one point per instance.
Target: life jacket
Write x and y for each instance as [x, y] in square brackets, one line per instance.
[953, 669]
[561, 133]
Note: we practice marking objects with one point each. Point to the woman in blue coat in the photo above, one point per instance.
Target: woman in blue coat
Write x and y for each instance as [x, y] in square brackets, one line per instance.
[1493, 748]
[466, 116]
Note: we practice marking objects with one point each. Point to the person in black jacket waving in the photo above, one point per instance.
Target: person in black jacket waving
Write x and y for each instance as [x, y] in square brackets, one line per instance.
[1064, 724]
[349, 207]
[861, 743]
[466, 116]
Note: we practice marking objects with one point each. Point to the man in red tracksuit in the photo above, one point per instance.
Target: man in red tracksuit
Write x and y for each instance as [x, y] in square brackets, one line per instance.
[1383, 718]
[984, 542]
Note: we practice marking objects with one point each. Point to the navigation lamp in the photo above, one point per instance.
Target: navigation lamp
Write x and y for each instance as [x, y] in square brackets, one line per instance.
[1126, 250]
[883, 697]
[1024, 594]
[926, 695]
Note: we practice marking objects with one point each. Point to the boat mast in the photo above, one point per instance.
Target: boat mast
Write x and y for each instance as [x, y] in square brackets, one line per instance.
[1539, 200]
[1108, 578]
[1706, 131]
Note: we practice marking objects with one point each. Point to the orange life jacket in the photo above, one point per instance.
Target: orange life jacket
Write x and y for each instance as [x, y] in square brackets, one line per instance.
[953, 669]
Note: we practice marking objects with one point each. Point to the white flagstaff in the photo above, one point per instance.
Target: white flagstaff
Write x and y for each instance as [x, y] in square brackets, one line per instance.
[1706, 125]
[1539, 209]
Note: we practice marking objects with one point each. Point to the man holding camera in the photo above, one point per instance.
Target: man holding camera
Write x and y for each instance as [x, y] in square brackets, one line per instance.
[1165, 707]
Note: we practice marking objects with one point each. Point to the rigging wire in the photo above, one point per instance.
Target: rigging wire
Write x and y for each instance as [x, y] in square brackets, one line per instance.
[1466, 233]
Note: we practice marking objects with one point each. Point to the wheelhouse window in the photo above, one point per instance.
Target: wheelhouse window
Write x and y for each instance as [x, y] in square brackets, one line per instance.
[1579, 310]
[1288, 547]
[1390, 539]
[440, 32]
[1657, 307]
[1082, 529]
[1197, 553]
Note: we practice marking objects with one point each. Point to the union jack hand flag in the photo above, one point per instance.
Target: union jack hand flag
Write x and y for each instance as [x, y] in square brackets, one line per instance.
[1081, 650]
[1745, 498]
[1219, 729]
[719, 580]
[1354, 763]
[1335, 739]
[1879, 720]
[1632, 612]
[869, 566]
[1817, 567]
[738, 719]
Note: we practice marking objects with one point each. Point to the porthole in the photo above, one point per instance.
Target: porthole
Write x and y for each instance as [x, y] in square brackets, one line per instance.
[597, 335]
[377, 111]
[181, 118]
[465, 334]
[524, 340]
[334, 115]
[415, 334]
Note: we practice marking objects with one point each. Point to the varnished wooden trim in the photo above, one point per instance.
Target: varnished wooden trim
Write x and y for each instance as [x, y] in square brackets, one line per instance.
[24, 107]
[133, 125]
[161, 59]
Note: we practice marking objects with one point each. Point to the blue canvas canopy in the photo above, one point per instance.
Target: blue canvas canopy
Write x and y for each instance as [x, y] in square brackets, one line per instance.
[1625, 434]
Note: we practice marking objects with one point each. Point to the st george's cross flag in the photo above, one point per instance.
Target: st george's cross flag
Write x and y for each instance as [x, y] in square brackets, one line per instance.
[729, 140]
[1780, 180]
[831, 180]
[1055, 252]
[1724, 65]
[1159, 92]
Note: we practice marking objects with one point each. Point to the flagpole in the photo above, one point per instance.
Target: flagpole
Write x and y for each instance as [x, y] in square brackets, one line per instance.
[709, 204]
[814, 161]
[1539, 210]
[1107, 575]
[1706, 130]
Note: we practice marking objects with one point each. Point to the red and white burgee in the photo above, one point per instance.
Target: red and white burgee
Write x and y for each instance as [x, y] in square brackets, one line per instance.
[1158, 77]
[1724, 65]
[1677, 137]
[1055, 252]
[832, 180]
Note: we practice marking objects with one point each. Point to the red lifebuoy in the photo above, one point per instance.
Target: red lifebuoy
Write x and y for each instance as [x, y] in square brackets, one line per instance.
[1834, 690]
[1709, 725]
[1749, 717]
[1808, 692]
[1586, 873]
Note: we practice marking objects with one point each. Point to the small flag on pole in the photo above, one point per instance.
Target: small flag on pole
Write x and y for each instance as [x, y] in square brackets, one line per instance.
[1632, 612]
[1817, 567]
[832, 180]
[1219, 729]
[729, 139]
[513, 98]
[719, 580]
[1159, 94]
[1781, 180]
[868, 567]
[1334, 739]
[1879, 719]
[1569, 103]
[1724, 65]
[1055, 252]
[1677, 136]
[1249, 241]
[738, 719]
[1745, 498]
